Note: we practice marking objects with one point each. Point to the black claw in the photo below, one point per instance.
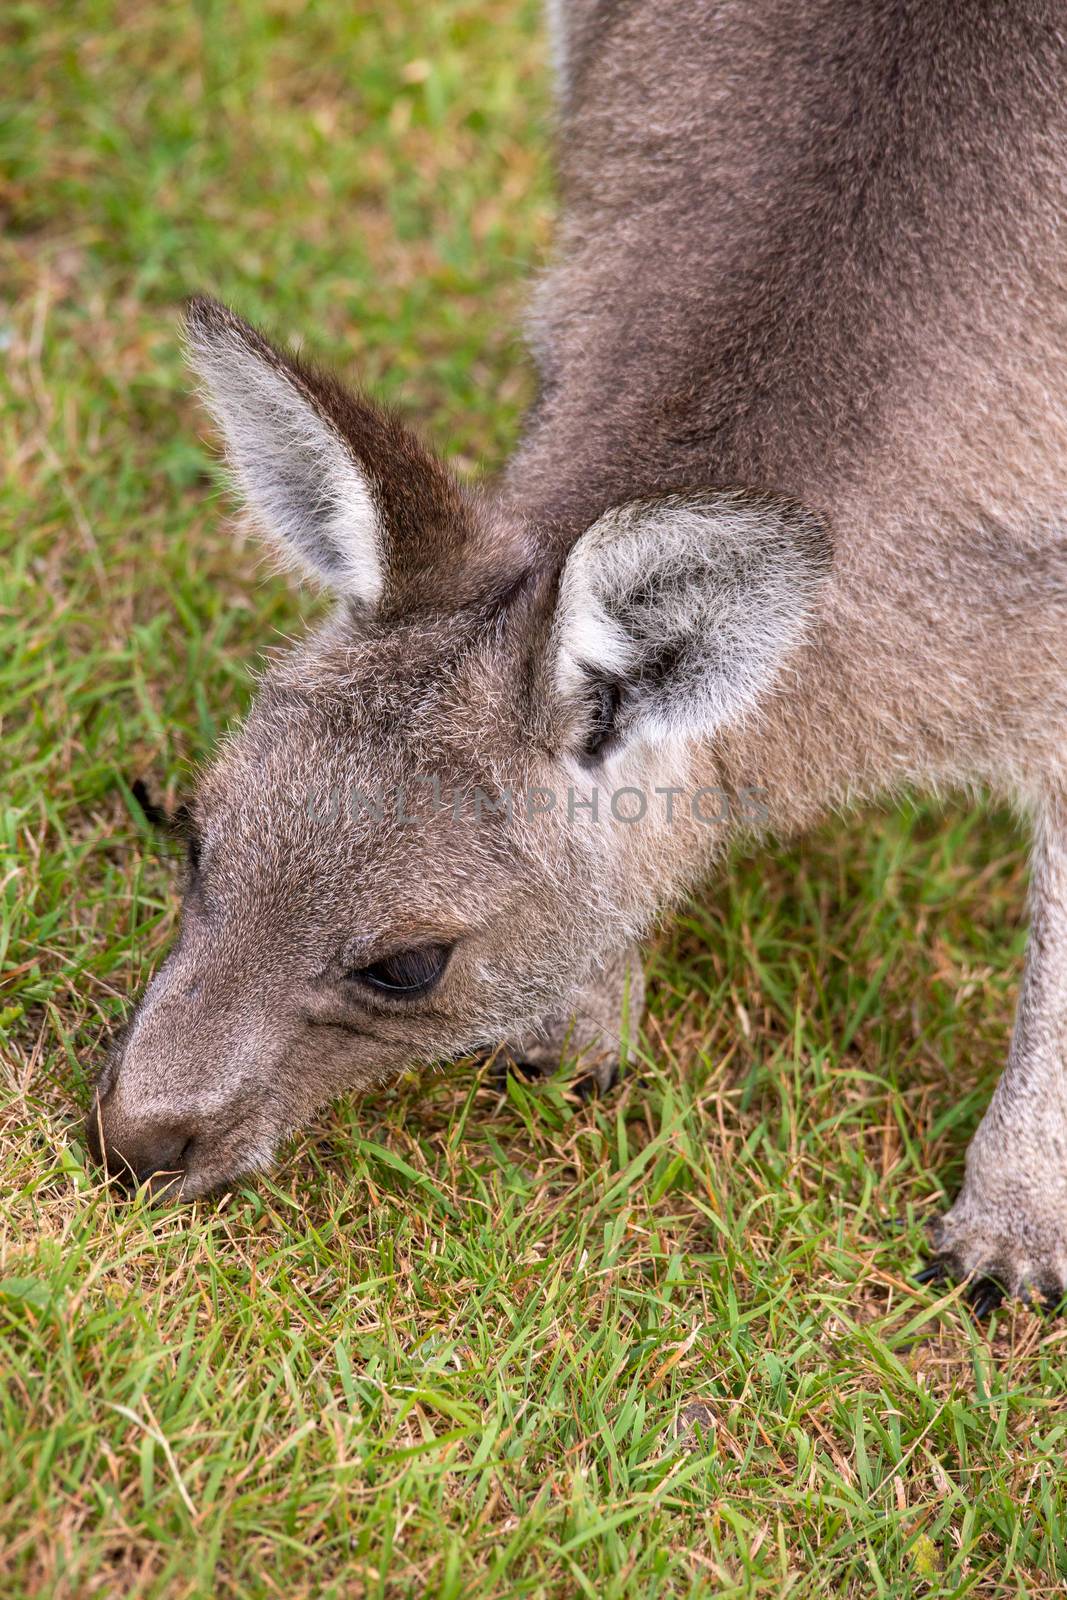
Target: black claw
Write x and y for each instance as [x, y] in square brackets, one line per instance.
[985, 1292]
[985, 1296]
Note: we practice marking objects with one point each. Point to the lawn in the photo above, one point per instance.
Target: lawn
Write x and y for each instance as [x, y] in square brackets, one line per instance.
[463, 1342]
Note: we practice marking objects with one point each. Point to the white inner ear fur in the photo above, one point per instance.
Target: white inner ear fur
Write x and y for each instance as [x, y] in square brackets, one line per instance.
[297, 475]
[691, 603]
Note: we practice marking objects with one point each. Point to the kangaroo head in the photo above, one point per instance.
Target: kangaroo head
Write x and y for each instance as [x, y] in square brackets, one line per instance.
[396, 858]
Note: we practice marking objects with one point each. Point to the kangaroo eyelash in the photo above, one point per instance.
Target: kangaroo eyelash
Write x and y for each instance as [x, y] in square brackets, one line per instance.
[405, 975]
[178, 823]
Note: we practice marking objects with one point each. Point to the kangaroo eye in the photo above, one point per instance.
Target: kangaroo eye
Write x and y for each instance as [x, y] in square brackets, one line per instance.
[407, 973]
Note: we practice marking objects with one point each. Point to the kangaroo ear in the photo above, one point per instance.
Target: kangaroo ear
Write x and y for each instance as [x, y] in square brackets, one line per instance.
[347, 491]
[674, 615]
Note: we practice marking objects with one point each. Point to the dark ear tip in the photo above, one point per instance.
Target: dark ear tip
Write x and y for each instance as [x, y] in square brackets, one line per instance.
[206, 318]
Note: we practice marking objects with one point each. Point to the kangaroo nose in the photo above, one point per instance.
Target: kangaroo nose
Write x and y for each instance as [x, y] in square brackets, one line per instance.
[132, 1153]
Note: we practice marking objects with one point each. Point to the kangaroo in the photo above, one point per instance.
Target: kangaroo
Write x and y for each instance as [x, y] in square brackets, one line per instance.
[784, 528]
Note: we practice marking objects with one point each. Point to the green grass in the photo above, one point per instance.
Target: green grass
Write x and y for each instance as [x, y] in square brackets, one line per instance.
[461, 1344]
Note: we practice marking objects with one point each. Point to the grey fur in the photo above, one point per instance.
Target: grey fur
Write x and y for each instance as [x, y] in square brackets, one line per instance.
[810, 267]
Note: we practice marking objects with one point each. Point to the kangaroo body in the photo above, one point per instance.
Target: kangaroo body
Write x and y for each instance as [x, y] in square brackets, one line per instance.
[820, 250]
[827, 257]
[786, 517]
